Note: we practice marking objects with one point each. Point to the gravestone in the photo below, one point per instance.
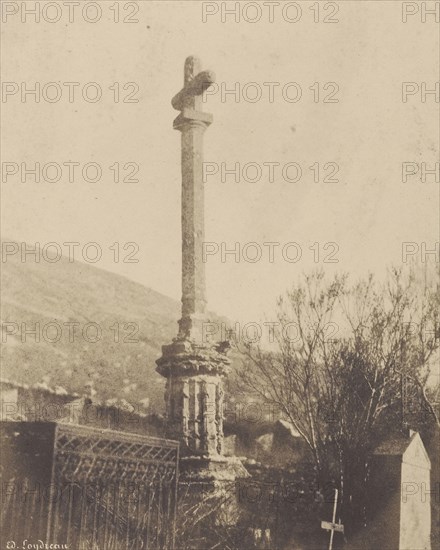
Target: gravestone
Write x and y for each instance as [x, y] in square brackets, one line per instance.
[400, 499]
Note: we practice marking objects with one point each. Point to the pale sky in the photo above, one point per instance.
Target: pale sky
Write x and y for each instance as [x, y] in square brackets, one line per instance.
[369, 133]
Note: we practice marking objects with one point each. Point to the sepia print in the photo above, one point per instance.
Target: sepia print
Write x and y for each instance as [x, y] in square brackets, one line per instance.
[224, 337]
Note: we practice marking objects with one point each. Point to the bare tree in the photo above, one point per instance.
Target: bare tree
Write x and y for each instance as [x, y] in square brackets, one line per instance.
[342, 353]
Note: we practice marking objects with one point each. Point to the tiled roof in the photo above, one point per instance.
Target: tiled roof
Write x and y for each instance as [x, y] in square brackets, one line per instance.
[395, 446]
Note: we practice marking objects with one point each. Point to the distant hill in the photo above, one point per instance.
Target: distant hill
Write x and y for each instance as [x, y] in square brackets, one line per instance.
[52, 294]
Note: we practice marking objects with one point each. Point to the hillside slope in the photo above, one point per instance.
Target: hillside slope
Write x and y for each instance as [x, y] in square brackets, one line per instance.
[45, 296]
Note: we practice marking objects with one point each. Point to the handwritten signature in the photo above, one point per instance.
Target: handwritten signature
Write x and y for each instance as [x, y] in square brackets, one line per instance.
[39, 545]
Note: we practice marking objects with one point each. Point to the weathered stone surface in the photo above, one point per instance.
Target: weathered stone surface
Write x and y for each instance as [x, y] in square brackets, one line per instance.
[194, 396]
[183, 357]
[400, 500]
[192, 123]
[221, 468]
[193, 366]
[195, 84]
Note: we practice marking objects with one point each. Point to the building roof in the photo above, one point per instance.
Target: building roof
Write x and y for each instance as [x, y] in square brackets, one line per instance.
[395, 446]
[411, 449]
[289, 427]
[42, 387]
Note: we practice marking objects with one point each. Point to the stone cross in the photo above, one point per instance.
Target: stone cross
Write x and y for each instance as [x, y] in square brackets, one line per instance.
[195, 368]
[332, 526]
[192, 123]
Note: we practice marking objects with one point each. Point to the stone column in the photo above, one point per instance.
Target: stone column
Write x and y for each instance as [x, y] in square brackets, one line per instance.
[194, 368]
[193, 228]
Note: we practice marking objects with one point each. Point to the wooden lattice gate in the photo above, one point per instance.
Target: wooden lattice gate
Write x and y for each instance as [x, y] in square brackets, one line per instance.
[88, 488]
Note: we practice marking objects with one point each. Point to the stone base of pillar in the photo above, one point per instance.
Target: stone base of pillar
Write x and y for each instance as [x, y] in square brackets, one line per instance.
[212, 469]
[215, 480]
[213, 484]
[195, 370]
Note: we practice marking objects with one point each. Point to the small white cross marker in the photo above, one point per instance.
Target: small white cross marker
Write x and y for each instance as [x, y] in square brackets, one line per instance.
[332, 526]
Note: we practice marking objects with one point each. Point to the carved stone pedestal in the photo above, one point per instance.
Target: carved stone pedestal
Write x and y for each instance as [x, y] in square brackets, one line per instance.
[194, 395]
[194, 416]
